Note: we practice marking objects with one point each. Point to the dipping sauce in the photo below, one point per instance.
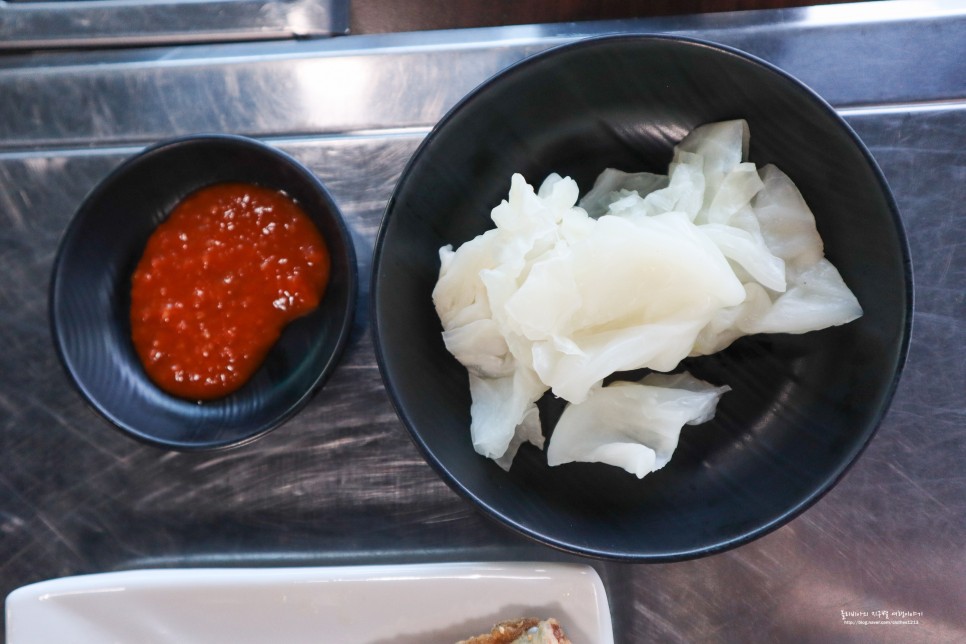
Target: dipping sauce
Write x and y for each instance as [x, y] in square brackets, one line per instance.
[219, 279]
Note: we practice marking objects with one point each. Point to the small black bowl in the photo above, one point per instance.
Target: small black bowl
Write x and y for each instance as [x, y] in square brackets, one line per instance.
[802, 408]
[91, 283]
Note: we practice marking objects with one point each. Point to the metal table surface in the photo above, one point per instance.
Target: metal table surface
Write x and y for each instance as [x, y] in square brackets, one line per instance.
[342, 483]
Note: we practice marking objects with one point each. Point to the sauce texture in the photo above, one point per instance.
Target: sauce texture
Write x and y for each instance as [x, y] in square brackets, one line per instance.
[219, 279]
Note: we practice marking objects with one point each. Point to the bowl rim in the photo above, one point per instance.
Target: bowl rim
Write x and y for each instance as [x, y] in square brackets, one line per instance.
[83, 212]
[831, 479]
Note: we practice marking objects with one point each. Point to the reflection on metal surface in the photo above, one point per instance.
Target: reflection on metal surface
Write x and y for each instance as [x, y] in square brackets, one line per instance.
[106, 23]
[842, 14]
[337, 88]
[340, 85]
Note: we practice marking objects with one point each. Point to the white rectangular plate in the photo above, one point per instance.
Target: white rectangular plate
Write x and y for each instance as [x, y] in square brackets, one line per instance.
[404, 604]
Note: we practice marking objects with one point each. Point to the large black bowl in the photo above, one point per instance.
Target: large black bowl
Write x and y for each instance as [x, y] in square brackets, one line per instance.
[802, 407]
[91, 283]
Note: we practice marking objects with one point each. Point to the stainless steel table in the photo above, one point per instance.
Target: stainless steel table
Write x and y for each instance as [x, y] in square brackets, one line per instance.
[342, 483]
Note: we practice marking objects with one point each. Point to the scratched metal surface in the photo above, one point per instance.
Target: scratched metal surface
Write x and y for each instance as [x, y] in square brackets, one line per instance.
[342, 483]
[39, 24]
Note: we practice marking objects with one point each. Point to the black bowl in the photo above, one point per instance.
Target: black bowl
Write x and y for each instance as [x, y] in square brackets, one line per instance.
[802, 407]
[91, 282]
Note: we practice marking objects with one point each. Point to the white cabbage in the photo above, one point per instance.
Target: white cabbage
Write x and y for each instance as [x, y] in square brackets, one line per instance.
[528, 431]
[613, 184]
[646, 270]
[634, 426]
[643, 290]
[814, 295]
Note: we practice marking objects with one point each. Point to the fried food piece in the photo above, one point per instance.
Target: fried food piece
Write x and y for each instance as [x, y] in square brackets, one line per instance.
[528, 630]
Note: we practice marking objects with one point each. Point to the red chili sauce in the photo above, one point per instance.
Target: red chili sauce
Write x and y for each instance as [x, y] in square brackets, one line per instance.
[218, 281]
